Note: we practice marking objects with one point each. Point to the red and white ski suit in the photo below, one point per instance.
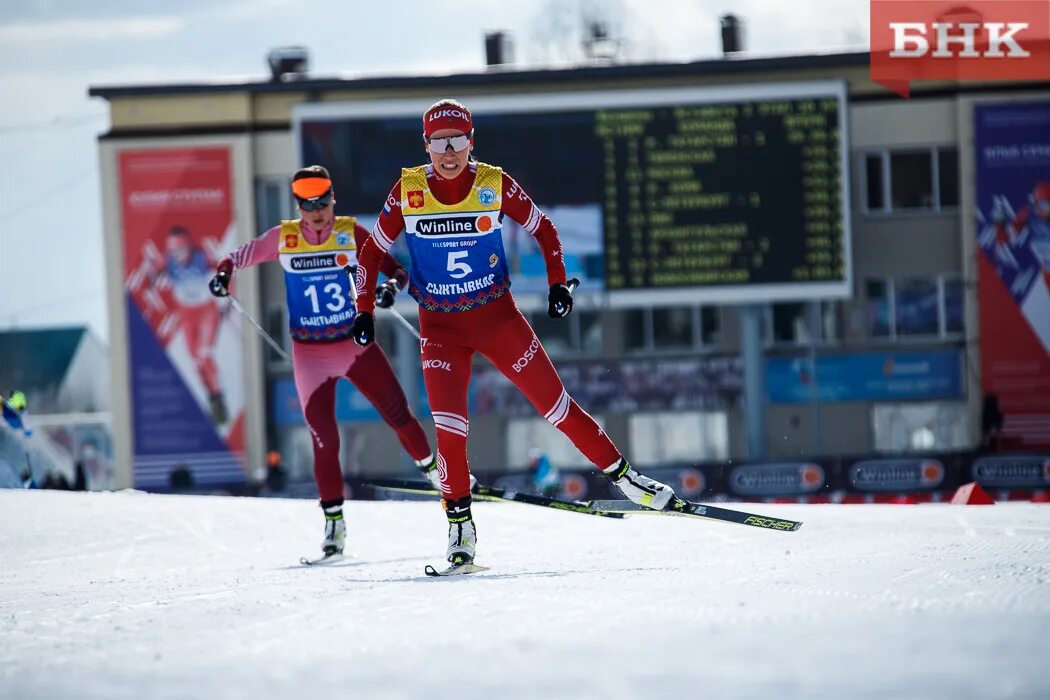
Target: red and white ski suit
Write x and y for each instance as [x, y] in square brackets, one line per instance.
[491, 325]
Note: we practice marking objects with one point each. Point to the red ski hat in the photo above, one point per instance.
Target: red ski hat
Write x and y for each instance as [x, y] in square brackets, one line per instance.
[447, 114]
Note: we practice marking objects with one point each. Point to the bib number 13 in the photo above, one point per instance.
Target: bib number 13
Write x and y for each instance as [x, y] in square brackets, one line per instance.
[457, 269]
[334, 292]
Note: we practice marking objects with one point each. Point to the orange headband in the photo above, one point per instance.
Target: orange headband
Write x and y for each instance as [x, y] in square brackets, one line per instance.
[310, 187]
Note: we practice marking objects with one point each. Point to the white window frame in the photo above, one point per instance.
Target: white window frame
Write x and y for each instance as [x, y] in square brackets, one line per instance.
[697, 343]
[576, 348]
[770, 340]
[942, 312]
[712, 446]
[887, 183]
[963, 423]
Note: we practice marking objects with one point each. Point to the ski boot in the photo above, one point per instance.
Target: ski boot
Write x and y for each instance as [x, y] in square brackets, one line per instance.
[334, 528]
[462, 535]
[428, 468]
[639, 488]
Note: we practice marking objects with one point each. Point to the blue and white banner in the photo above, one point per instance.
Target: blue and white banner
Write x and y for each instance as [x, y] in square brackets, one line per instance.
[866, 377]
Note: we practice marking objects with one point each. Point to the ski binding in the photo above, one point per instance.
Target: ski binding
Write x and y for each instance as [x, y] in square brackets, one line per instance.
[455, 569]
[321, 561]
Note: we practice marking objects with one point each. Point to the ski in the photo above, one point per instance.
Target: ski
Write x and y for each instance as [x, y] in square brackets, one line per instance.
[454, 570]
[696, 510]
[321, 561]
[490, 493]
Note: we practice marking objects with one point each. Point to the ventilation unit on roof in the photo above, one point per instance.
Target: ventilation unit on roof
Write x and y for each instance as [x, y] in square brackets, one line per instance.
[288, 62]
[732, 34]
[499, 49]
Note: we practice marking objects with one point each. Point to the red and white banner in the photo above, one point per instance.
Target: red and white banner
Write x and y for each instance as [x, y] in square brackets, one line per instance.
[1012, 158]
[185, 350]
[974, 40]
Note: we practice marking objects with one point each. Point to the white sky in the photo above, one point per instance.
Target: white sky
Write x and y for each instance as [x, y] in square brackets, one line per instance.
[51, 259]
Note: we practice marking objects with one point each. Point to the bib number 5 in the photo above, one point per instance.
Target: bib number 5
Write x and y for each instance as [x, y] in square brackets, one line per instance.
[457, 269]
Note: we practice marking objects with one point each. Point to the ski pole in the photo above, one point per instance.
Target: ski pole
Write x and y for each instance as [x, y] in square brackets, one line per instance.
[397, 314]
[265, 336]
[404, 321]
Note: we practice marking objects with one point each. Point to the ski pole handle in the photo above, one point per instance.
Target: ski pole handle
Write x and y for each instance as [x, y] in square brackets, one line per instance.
[572, 284]
[350, 272]
[353, 292]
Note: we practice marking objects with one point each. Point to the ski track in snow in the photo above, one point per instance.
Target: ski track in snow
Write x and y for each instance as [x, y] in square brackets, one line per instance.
[129, 595]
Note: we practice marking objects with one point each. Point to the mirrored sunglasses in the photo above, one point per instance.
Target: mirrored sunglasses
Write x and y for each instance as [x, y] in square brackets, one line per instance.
[315, 203]
[440, 145]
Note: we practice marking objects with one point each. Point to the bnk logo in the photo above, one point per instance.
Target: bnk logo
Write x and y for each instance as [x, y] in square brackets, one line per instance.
[951, 40]
[981, 40]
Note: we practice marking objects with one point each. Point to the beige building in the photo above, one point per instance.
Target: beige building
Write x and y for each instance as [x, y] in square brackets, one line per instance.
[912, 288]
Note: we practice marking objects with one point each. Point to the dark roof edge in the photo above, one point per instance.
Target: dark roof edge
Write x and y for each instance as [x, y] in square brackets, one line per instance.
[207, 130]
[268, 127]
[504, 77]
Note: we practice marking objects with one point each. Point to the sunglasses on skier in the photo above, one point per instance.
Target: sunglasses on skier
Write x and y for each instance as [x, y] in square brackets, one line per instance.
[315, 203]
[440, 145]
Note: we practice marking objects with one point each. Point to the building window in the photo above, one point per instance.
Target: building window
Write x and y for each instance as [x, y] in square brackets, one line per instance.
[672, 328]
[791, 323]
[911, 180]
[880, 324]
[684, 437]
[554, 333]
[948, 176]
[915, 302]
[710, 325]
[273, 201]
[589, 325]
[873, 175]
[953, 306]
[921, 427]
[637, 329]
[578, 333]
[915, 307]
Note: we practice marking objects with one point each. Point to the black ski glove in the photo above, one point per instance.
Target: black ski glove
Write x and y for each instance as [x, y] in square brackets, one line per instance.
[559, 301]
[220, 285]
[386, 292]
[364, 329]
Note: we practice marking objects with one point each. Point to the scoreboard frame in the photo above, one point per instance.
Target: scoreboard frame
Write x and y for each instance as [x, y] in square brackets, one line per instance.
[656, 97]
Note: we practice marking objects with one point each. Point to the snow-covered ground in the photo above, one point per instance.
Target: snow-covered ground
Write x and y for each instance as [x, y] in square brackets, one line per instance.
[125, 595]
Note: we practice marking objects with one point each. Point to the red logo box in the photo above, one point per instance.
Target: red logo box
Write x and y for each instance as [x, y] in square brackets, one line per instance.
[1006, 40]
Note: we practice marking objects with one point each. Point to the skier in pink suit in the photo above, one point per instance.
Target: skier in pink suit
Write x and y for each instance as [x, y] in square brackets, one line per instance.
[314, 252]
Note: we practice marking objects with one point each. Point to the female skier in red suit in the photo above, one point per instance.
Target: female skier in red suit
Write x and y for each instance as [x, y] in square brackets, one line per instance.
[452, 210]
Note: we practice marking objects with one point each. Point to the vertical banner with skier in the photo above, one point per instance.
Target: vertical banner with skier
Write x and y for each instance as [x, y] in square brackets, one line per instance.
[1013, 223]
[185, 374]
